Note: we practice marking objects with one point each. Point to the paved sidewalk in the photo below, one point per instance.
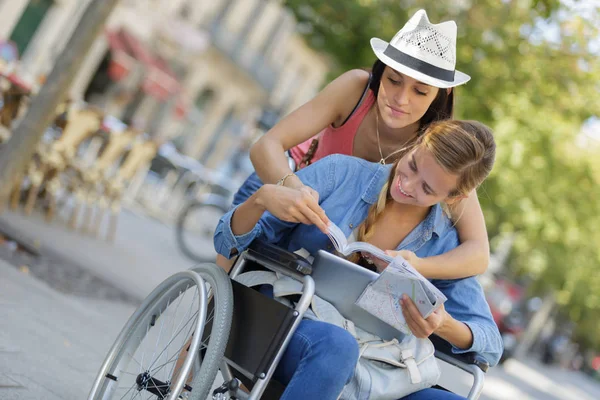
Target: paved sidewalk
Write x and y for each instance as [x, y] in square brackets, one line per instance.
[55, 331]
[51, 344]
[143, 255]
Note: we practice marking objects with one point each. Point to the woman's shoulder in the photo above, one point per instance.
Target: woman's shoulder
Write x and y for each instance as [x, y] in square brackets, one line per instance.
[348, 88]
[354, 78]
[351, 84]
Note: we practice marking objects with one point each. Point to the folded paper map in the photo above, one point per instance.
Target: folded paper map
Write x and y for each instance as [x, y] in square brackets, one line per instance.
[382, 297]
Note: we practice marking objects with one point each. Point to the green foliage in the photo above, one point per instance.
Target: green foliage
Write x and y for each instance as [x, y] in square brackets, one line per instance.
[535, 82]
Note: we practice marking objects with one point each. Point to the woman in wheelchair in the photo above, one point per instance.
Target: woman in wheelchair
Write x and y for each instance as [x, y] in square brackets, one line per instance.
[392, 207]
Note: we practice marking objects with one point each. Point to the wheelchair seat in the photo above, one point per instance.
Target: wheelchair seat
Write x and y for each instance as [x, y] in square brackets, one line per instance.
[261, 326]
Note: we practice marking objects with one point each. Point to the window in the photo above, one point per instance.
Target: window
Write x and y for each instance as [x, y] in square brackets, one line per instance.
[29, 22]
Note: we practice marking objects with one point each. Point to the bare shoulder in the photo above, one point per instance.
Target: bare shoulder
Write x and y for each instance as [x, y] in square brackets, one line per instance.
[347, 90]
[353, 81]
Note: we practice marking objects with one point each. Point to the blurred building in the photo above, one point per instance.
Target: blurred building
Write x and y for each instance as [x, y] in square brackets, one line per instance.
[200, 73]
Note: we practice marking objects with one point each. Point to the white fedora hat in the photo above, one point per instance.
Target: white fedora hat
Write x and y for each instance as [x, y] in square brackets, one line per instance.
[423, 51]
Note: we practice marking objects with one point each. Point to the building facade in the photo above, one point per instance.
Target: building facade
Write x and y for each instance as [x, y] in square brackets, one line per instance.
[199, 73]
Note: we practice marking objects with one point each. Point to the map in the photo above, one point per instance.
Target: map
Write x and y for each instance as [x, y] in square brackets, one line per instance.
[382, 297]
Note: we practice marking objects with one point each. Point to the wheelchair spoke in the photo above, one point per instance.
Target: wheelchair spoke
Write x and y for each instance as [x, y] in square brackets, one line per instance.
[162, 324]
[163, 320]
[129, 390]
[136, 361]
[148, 357]
[153, 366]
[179, 352]
[172, 360]
[161, 357]
[180, 299]
[171, 341]
[154, 360]
[204, 343]
[143, 353]
[189, 333]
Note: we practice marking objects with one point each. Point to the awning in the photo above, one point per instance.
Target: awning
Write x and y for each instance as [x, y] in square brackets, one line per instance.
[158, 79]
[122, 61]
[182, 107]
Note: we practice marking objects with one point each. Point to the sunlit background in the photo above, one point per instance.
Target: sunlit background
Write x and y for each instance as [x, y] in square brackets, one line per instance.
[172, 94]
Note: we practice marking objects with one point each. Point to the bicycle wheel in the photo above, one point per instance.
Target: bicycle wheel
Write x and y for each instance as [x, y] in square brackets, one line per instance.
[195, 229]
[160, 345]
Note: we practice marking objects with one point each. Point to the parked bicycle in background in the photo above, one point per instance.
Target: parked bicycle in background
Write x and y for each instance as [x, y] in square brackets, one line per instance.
[198, 219]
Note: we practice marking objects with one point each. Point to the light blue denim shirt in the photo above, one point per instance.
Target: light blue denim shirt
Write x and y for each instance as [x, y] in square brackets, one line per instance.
[347, 187]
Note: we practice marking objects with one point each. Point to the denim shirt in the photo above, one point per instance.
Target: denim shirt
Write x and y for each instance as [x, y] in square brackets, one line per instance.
[347, 188]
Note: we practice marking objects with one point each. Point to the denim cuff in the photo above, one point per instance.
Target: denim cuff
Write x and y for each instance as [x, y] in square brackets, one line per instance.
[229, 241]
[478, 345]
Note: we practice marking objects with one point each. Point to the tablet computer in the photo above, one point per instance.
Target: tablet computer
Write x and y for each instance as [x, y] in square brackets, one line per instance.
[341, 282]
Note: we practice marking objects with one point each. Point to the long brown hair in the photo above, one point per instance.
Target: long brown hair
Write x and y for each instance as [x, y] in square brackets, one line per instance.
[463, 148]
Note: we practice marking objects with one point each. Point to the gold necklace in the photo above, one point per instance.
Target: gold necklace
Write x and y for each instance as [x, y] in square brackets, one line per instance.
[382, 160]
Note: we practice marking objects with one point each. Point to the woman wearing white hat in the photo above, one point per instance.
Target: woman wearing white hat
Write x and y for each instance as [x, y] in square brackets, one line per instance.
[371, 115]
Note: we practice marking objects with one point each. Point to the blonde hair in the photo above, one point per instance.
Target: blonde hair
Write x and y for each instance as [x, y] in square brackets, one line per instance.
[463, 148]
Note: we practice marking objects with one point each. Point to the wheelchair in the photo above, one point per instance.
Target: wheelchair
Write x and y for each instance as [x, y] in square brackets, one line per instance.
[202, 321]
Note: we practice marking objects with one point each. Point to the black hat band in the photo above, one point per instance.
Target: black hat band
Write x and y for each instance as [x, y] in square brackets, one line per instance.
[419, 65]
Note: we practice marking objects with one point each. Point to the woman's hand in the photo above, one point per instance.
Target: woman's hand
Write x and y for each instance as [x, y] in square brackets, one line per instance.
[294, 205]
[419, 326]
[406, 254]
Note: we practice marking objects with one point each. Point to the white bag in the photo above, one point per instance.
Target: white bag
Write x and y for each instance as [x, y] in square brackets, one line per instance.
[390, 370]
[386, 370]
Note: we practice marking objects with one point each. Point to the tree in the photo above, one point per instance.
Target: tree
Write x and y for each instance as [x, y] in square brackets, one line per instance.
[535, 81]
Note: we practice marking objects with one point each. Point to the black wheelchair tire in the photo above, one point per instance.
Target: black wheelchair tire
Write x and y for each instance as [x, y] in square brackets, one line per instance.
[180, 229]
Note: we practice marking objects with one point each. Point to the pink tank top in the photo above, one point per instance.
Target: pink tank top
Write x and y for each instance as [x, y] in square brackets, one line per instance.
[333, 140]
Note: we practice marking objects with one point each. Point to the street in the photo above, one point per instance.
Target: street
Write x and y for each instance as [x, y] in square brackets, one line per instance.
[53, 335]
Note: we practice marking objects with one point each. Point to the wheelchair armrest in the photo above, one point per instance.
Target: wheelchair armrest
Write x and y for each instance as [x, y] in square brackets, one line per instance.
[265, 252]
[470, 358]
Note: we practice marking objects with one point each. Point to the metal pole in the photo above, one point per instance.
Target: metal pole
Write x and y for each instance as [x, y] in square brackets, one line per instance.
[18, 151]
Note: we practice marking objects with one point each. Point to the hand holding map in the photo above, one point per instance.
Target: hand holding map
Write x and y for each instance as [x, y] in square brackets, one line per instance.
[382, 297]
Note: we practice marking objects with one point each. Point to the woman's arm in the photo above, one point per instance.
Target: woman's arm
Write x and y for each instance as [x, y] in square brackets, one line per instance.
[440, 322]
[332, 105]
[471, 257]
[465, 323]
[269, 198]
[240, 226]
[455, 332]
[248, 221]
[246, 215]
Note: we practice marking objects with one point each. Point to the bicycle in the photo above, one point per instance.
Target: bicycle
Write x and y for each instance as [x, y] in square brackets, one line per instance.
[198, 219]
[196, 224]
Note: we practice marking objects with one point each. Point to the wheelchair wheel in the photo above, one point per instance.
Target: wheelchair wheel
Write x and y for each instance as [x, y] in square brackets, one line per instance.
[157, 354]
[195, 229]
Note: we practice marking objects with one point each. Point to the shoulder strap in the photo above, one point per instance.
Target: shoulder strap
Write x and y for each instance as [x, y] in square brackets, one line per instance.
[362, 97]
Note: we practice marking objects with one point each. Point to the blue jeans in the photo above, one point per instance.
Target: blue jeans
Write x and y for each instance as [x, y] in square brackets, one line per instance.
[432, 394]
[318, 362]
